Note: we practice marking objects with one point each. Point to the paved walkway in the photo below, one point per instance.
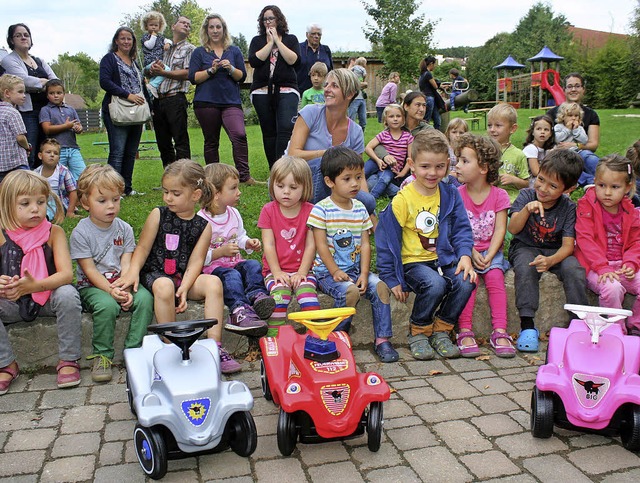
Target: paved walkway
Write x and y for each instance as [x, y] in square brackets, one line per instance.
[461, 420]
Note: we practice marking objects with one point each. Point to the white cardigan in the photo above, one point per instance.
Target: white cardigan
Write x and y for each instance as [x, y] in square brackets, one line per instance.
[13, 64]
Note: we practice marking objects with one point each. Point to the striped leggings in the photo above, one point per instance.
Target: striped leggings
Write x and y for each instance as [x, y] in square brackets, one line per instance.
[306, 295]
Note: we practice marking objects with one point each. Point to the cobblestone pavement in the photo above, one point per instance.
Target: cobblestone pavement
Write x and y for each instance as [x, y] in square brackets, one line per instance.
[460, 420]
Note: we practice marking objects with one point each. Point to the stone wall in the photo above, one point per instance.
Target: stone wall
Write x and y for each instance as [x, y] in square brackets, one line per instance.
[36, 344]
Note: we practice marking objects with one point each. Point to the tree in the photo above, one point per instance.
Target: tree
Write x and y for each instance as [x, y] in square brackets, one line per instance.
[79, 73]
[187, 8]
[241, 42]
[611, 79]
[480, 72]
[398, 34]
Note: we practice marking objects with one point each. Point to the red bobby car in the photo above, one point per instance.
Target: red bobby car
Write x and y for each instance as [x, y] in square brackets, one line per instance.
[314, 380]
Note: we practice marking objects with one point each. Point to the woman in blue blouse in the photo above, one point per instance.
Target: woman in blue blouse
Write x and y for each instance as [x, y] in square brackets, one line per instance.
[217, 68]
[120, 76]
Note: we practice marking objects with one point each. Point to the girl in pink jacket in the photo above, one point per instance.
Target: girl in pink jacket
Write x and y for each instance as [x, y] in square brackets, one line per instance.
[608, 236]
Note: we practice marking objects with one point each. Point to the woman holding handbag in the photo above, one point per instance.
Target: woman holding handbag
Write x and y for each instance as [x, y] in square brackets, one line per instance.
[120, 76]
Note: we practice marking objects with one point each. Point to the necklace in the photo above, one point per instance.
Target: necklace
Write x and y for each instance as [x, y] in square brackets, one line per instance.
[30, 62]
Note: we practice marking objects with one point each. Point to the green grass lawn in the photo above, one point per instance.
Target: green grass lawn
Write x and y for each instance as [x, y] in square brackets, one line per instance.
[617, 134]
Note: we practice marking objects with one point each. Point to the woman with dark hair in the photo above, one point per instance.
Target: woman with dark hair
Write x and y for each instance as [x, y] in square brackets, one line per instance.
[574, 90]
[274, 55]
[35, 73]
[429, 87]
[121, 76]
[217, 69]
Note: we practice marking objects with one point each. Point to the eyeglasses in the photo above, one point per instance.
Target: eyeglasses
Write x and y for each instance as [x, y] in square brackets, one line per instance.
[573, 86]
[315, 34]
[268, 19]
[21, 36]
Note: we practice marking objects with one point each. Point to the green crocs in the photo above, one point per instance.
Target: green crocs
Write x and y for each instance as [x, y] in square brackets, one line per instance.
[441, 342]
[420, 347]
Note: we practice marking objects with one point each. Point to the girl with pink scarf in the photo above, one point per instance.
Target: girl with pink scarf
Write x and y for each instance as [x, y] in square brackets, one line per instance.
[35, 274]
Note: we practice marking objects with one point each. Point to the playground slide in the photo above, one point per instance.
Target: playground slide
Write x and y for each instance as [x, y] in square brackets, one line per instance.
[555, 89]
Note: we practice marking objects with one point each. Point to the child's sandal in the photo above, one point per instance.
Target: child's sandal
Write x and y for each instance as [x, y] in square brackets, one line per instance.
[468, 350]
[504, 351]
[14, 373]
[68, 380]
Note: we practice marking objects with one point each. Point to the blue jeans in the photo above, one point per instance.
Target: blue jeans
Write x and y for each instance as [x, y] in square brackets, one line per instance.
[358, 112]
[338, 291]
[380, 183]
[35, 135]
[123, 147]
[276, 122]
[242, 283]
[73, 160]
[448, 293]
[321, 190]
[589, 169]
[379, 112]
[452, 99]
[432, 113]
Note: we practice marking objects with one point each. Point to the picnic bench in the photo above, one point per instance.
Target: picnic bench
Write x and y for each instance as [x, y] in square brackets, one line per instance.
[143, 145]
[474, 121]
[479, 114]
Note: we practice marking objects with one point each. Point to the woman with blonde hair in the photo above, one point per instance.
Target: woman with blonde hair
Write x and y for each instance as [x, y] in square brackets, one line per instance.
[217, 69]
[321, 126]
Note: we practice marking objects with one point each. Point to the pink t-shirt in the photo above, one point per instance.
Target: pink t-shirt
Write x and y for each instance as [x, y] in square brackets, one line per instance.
[398, 148]
[290, 235]
[613, 229]
[225, 228]
[483, 216]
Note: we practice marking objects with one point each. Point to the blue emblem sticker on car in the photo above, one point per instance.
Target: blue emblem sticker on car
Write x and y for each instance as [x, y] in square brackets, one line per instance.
[196, 410]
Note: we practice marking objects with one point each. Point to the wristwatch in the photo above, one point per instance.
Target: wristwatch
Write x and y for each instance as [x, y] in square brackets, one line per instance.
[211, 72]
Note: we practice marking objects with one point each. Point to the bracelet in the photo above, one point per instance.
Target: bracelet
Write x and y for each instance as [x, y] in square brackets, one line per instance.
[233, 69]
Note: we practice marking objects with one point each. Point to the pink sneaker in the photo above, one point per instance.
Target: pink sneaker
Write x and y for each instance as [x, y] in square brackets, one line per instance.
[228, 365]
[245, 321]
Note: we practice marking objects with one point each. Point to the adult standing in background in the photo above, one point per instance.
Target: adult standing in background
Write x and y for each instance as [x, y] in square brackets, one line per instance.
[429, 87]
[170, 107]
[120, 76]
[3, 54]
[35, 73]
[217, 69]
[388, 95]
[274, 55]
[312, 51]
[358, 108]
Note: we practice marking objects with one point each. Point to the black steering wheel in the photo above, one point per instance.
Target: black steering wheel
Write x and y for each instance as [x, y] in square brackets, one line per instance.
[183, 334]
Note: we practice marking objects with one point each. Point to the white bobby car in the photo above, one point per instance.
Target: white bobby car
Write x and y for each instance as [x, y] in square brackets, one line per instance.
[183, 406]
